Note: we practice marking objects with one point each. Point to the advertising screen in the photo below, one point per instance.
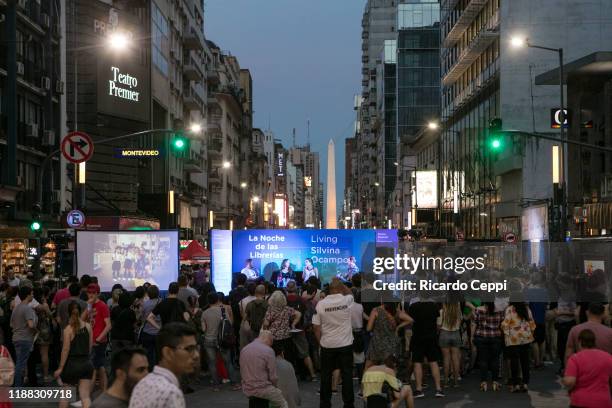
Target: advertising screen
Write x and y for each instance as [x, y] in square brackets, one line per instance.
[130, 258]
[333, 252]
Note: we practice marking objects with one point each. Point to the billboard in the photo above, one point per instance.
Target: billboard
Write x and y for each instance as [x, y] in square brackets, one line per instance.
[426, 189]
[123, 87]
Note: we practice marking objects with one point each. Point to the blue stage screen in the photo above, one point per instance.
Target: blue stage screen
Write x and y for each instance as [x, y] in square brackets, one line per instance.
[328, 249]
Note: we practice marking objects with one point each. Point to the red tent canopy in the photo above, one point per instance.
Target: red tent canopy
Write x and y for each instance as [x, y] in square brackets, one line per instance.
[195, 252]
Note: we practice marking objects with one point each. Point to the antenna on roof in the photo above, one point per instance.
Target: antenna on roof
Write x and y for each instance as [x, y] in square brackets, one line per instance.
[293, 137]
[308, 135]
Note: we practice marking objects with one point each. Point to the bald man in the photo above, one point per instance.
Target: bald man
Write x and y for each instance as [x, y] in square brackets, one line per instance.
[258, 370]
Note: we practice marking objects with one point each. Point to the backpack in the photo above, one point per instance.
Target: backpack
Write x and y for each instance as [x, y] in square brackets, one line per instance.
[226, 338]
[256, 312]
[196, 322]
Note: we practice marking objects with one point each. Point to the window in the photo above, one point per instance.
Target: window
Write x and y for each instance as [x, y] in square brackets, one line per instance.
[160, 31]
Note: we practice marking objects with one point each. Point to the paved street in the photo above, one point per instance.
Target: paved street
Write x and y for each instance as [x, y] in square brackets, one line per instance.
[545, 393]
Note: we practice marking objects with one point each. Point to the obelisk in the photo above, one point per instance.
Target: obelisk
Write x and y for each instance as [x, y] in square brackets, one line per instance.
[330, 219]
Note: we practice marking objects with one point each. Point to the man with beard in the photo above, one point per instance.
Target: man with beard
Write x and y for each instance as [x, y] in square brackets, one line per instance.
[129, 366]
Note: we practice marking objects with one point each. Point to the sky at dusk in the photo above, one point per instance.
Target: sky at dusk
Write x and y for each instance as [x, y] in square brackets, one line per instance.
[305, 60]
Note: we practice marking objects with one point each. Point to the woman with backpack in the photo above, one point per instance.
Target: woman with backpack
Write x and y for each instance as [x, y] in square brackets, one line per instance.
[518, 327]
[217, 327]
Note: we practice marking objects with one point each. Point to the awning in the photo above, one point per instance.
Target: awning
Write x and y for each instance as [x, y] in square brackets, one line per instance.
[195, 252]
[597, 63]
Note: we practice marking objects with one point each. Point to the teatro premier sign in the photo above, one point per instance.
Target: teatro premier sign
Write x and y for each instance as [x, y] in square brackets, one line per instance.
[123, 85]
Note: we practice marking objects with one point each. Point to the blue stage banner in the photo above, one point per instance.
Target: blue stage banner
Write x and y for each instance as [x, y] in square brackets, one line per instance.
[329, 250]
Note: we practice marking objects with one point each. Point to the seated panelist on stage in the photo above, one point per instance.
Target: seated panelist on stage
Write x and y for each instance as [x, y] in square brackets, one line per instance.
[309, 270]
[249, 270]
[351, 269]
[285, 274]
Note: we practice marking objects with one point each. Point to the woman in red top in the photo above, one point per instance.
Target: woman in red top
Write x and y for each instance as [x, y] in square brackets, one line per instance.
[588, 374]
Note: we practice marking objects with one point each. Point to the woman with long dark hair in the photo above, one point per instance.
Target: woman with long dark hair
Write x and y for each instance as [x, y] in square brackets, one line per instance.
[488, 339]
[518, 327]
[75, 366]
[384, 323]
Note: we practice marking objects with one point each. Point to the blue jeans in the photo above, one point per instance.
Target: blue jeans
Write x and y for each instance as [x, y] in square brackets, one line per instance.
[148, 342]
[211, 358]
[23, 348]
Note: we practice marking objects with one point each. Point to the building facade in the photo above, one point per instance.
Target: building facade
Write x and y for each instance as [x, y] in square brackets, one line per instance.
[484, 77]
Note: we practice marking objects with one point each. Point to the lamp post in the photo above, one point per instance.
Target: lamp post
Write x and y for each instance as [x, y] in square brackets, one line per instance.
[227, 165]
[559, 193]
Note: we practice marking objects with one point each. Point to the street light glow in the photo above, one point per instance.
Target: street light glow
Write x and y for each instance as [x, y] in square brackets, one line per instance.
[195, 127]
[433, 125]
[518, 42]
[377, 184]
[243, 184]
[227, 165]
[395, 163]
[255, 199]
[118, 41]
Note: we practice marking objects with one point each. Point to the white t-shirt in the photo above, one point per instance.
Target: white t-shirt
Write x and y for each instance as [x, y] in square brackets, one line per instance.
[334, 317]
[33, 304]
[357, 316]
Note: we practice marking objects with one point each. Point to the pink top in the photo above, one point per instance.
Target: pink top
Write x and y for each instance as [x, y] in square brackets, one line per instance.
[257, 368]
[61, 295]
[593, 370]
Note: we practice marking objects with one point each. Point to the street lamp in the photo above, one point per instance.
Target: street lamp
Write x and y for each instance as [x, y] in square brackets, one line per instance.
[195, 128]
[433, 125]
[243, 184]
[227, 165]
[255, 199]
[520, 42]
[118, 41]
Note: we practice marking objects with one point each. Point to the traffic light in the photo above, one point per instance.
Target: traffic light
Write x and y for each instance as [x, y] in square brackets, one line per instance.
[495, 142]
[36, 225]
[179, 143]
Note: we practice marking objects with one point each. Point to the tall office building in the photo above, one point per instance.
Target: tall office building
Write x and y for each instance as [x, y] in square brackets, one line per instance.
[378, 24]
[418, 97]
[483, 77]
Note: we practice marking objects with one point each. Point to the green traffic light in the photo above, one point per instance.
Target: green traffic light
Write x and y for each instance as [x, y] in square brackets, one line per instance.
[35, 226]
[496, 144]
[179, 144]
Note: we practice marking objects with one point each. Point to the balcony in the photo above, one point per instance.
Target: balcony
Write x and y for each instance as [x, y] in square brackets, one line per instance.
[192, 39]
[214, 123]
[191, 101]
[212, 76]
[192, 166]
[482, 81]
[191, 70]
[484, 39]
[463, 22]
[212, 99]
[365, 58]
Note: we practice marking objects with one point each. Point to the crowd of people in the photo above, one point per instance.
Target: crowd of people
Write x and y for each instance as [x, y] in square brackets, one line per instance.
[265, 341]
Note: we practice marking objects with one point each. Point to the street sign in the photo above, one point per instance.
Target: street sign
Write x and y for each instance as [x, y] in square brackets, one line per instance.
[460, 236]
[509, 237]
[75, 219]
[77, 147]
